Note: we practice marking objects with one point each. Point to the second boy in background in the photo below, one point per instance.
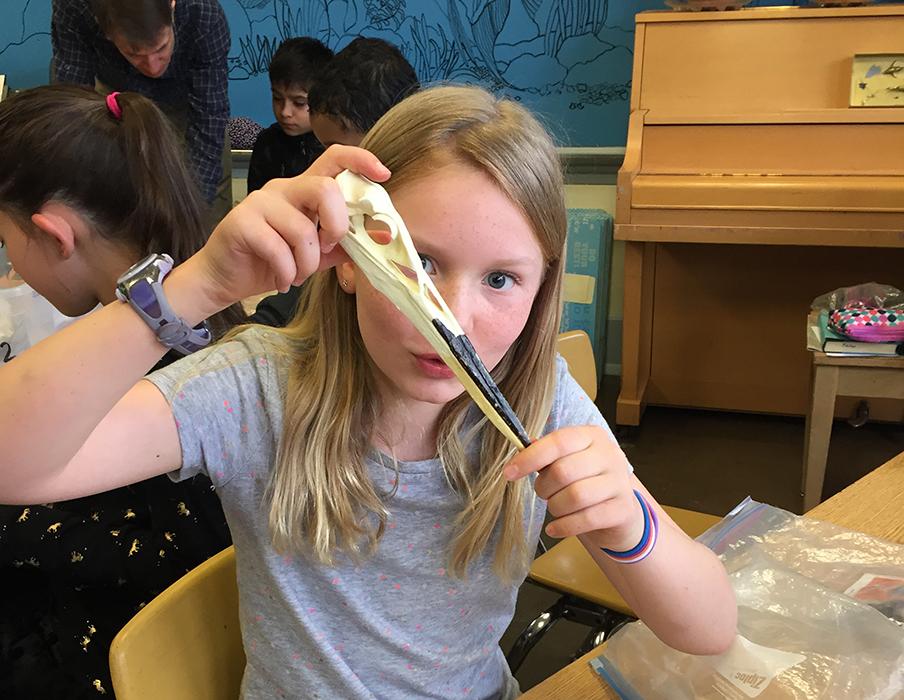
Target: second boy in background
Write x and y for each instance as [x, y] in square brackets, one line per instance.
[288, 147]
[349, 95]
[361, 84]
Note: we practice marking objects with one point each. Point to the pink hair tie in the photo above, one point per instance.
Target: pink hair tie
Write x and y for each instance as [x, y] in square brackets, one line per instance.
[113, 106]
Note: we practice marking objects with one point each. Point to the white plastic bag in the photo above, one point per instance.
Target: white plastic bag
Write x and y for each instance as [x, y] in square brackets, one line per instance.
[26, 317]
[799, 634]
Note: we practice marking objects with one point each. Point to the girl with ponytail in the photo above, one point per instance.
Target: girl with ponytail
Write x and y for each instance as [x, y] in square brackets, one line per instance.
[89, 185]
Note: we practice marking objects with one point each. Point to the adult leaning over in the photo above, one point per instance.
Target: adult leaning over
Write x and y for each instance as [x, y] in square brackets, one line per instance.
[171, 51]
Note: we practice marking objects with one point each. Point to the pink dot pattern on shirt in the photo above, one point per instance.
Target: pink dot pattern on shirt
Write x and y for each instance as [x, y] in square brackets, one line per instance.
[420, 658]
[339, 648]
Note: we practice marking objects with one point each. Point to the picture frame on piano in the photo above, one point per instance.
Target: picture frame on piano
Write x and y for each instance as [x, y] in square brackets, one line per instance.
[877, 80]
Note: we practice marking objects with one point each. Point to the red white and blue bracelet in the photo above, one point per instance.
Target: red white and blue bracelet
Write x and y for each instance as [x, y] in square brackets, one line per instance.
[647, 540]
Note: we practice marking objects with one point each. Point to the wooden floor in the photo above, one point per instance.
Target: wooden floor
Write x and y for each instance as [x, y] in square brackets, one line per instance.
[709, 461]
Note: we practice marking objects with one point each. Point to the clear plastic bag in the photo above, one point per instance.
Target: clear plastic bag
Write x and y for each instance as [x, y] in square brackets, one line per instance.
[870, 313]
[869, 294]
[832, 556]
[26, 318]
[814, 602]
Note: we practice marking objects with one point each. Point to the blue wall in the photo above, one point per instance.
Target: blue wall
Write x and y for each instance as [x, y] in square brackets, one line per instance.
[569, 60]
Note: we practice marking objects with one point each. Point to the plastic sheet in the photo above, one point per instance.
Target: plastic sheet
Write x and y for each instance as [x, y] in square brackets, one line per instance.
[870, 293]
[819, 616]
[870, 312]
[26, 318]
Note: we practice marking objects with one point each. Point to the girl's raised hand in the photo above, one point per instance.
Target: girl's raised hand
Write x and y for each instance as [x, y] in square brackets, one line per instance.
[279, 235]
[585, 479]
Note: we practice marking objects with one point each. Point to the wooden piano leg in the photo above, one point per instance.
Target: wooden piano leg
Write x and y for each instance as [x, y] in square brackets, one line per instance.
[637, 331]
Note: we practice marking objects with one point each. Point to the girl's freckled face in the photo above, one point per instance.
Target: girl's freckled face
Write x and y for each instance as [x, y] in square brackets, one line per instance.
[486, 263]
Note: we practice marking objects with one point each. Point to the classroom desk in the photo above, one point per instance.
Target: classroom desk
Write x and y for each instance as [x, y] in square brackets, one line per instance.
[874, 505]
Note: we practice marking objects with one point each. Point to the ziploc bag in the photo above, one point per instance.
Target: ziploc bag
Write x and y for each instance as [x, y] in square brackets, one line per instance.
[26, 318]
[871, 312]
[800, 635]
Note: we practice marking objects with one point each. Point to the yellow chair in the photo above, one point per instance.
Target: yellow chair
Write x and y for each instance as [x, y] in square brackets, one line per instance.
[588, 596]
[577, 350]
[186, 643]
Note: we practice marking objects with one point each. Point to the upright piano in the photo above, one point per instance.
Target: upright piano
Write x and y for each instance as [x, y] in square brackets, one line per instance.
[749, 187]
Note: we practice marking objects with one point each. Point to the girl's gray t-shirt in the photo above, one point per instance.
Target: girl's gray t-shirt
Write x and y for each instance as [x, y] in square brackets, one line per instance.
[398, 625]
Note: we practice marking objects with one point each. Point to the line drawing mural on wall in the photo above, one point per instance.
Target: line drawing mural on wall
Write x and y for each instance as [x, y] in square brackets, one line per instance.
[24, 29]
[560, 57]
[457, 41]
[568, 60]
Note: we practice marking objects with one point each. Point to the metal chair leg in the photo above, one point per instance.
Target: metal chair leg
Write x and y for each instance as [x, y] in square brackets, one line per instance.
[593, 639]
[621, 623]
[600, 634]
[532, 634]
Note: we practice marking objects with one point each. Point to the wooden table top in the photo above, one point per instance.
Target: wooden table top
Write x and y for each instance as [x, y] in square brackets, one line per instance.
[873, 504]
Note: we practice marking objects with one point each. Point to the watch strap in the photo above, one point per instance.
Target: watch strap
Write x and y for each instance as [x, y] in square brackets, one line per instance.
[143, 291]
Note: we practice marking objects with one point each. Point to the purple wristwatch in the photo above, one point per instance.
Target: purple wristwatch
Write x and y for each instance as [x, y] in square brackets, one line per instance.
[141, 286]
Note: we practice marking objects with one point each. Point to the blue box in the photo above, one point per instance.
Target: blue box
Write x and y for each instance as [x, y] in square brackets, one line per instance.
[588, 258]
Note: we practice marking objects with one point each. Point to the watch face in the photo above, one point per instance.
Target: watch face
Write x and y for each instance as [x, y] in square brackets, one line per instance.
[139, 265]
[143, 295]
[154, 267]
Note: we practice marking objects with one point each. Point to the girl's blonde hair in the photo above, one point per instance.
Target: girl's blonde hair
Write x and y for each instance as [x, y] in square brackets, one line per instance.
[322, 498]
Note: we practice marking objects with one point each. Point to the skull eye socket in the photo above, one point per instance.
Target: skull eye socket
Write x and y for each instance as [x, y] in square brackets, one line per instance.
[379, 231]
[405, 270]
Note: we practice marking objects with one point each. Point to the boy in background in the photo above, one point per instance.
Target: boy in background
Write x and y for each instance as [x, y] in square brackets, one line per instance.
[358, 87]
[288, 147]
